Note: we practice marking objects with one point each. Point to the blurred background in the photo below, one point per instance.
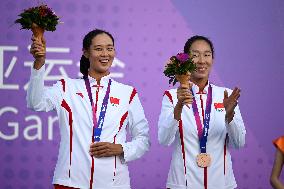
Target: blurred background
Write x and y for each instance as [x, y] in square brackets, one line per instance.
[249, 42]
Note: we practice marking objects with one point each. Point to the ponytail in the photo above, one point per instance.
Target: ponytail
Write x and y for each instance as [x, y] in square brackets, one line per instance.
[84, 65]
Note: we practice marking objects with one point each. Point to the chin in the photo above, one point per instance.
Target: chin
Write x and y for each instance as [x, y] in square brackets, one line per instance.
[201, 76]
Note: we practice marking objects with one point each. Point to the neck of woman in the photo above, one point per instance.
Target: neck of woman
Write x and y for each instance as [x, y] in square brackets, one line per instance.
[98, 75]
[201, 83]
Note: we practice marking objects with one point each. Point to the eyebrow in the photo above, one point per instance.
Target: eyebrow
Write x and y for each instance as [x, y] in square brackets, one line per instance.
[108, 45]
[208, 51]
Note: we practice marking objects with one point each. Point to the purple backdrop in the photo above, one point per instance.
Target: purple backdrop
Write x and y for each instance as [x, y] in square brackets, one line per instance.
[248, 38]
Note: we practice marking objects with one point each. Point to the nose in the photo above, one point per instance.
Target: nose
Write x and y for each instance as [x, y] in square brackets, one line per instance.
[201, 59]
[104, 52]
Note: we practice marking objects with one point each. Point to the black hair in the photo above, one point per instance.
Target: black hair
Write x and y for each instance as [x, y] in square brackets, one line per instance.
[191, 40]
[87, 41]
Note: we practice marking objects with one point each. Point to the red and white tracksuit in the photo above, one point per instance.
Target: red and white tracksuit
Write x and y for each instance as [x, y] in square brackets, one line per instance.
[69, 98]
[184, 172]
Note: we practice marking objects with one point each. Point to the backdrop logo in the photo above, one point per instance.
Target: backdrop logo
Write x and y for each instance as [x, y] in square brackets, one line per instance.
[31, 127]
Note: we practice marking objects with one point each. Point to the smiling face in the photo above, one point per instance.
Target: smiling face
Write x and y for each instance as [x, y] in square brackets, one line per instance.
[203, 58]
[100, 54]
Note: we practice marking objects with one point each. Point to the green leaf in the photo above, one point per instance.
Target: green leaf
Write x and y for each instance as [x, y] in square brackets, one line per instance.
[32, 15]
[178, 68]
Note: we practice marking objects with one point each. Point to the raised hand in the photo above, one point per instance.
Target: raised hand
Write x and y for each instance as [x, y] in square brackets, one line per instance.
[230, 102]
[105, 149]
[38, 50]
[184, 97]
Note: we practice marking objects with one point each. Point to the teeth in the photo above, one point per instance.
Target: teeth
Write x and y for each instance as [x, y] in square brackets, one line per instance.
[104, 61]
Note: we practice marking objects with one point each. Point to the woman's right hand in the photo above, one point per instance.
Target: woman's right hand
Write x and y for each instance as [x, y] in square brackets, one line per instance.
[184, 97]
[38, 50]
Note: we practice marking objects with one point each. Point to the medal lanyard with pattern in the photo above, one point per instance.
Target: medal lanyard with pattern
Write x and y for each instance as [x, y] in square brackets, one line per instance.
[203, 134]
[98, 126]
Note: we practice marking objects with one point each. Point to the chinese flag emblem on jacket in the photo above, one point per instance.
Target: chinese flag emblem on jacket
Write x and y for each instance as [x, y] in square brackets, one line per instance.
[114, 101]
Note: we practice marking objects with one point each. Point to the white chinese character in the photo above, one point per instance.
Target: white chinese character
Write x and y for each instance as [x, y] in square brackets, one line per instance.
[50, 63]
[119, 63]
[7, 73]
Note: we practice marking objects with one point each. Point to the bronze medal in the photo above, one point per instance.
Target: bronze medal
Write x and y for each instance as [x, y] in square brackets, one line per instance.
[203, 160]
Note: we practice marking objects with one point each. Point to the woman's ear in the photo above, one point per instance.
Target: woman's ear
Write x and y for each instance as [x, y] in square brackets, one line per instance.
[86, 53]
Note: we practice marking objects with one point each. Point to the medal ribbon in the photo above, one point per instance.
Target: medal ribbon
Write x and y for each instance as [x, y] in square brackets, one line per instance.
[203, 134]
[98, 126]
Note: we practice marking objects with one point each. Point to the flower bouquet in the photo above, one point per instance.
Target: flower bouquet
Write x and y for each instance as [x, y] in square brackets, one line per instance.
[179, 69]
[38, 19]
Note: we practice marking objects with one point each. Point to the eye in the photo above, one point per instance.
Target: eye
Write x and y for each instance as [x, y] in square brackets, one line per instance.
[194, 55]
[98, 49]
[207, 54]
[110, 48]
